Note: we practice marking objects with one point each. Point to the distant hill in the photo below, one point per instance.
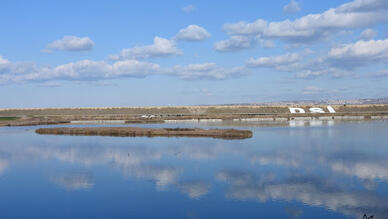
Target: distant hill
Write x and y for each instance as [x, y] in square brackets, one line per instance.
[318, 102]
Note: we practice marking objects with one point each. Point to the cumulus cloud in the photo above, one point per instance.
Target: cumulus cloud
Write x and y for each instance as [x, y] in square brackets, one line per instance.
[235, 43]
[160, 48]
[302, 68]
[314, 27]
[90, 70]
[311, 90]
[292, 7]
[71, 43]
[364, 6]
[188, 8]
[318, 69]
[192, 33]
[3, 61]
[80, 70]
[245, 28]
[337, 62]
[274, 61]
[368, 34]
[4, 66]
[50, 84]
[305, 73]
[266, 43]
[205, 71]
[380, 74]
[359, 53]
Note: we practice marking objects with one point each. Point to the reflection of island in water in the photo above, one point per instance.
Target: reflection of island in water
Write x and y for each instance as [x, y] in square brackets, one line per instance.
[320, 167]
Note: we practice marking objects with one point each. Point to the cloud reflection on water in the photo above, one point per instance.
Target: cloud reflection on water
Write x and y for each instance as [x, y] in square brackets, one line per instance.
[316, 191]
[3, 166]
[194, 189]
[307, 168]
[75, 180]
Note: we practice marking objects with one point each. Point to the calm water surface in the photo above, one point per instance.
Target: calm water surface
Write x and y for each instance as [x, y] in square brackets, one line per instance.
[300, 170]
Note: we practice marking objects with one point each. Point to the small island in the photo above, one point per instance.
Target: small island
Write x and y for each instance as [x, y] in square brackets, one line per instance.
[149, 132]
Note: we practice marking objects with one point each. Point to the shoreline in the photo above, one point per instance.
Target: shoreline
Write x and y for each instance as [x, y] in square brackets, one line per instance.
[146, 115]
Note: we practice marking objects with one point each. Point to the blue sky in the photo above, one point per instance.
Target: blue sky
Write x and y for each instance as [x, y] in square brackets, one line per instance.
[130, 53]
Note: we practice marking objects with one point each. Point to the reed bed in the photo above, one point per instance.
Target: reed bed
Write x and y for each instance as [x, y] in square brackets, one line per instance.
[149, 132]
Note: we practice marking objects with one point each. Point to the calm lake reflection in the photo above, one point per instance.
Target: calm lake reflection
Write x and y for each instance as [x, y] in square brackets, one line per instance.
[295, 170]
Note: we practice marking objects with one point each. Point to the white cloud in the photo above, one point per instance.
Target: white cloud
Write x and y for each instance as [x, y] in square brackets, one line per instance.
[311, 74]
[337, 63]
[188, 8]
[292, 7]
[161, 48]
[205, 71]
[4, 66]
[314, 27]
[235, 43]
[359, 53]
[381, 74]
[300, 64]
[81, 70]
[308, 71]
[312, 90]
[134, 68]
[192, 33]
[368, 34]
[3, 61]
[266, 43]
[71, 43]
[244, 28]
[90, 70]
[95, 70]
[274, 61]
[50, 84]
[364, 6]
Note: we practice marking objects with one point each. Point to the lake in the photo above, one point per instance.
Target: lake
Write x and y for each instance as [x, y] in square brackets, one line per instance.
[290, 170]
